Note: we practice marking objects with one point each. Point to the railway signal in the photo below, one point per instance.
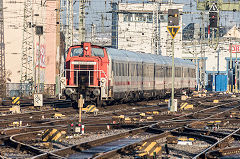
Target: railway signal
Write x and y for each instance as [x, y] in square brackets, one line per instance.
[213, 19]
[213, 16]
[173, 17]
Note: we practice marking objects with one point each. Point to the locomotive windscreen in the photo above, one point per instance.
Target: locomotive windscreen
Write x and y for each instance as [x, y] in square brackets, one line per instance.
[83, 74]
[76, 52]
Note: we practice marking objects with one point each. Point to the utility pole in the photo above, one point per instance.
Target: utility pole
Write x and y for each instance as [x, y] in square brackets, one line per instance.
[81, 21]
[58, 49]
[173, 76]
[2, 54]
[231, 72]
[202, 70]
[27, 69]
[69, 22]
[39, 32]
[236, 86]
[156, 28]
[173, 28]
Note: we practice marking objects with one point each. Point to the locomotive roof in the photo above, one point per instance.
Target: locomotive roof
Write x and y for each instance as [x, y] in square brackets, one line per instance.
[124, 55]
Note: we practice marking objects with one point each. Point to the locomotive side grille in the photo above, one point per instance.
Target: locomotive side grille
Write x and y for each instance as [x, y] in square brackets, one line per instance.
[83, 74]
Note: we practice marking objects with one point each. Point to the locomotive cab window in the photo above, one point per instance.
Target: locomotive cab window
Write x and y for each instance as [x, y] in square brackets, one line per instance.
[76, 52]
[97, 52]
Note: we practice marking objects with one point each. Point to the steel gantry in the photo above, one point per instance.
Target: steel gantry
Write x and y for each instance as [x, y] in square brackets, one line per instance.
[69, 23]
[27, 69]
[2, 54]
[81, 21]
[223, 5]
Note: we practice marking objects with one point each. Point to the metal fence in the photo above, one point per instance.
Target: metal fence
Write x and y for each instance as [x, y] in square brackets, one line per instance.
[26, 89]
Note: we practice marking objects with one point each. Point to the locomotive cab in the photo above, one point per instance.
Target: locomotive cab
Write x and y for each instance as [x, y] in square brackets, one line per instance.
[86, 73]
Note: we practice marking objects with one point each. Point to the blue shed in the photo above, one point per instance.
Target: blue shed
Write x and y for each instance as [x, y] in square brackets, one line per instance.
[221, 83]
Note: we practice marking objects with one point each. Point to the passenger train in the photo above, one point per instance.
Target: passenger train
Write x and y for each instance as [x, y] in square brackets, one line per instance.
[107, 74]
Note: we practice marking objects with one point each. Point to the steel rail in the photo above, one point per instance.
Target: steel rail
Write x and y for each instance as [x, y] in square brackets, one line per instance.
[111, 153]
[101, 141]
[202, 154]
[223, 152]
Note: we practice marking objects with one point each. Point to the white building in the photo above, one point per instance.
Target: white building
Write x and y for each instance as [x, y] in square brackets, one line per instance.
[136, 28]
[216, 57]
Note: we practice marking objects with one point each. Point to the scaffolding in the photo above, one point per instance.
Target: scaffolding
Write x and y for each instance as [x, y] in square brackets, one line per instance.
[2, 54]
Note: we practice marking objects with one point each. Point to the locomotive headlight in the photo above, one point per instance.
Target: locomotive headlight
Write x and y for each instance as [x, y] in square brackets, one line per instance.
[103, 80]
[86, 48]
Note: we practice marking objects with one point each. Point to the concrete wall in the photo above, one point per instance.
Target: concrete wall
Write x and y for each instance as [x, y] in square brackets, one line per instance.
[51, 48]
[13, 26]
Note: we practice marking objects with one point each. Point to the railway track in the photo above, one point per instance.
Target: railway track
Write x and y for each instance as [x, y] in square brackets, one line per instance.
[70, 150]
[146, 129]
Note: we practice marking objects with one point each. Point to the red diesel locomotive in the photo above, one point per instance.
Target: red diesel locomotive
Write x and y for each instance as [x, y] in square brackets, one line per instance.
[107, 74]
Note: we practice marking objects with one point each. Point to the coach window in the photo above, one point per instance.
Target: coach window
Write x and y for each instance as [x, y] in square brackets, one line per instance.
[167, 70]
[113, 68]
[97, 52]
[170, 71]
[117, 69]
[126, 69]
[135, 69]
[141, 68]
[161, 72]
[122, 65]
[76, 52]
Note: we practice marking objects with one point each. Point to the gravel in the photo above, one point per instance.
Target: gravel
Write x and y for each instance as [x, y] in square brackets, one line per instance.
[8, 152]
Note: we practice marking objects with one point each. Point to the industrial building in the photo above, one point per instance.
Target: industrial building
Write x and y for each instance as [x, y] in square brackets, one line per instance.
[214, 59]
[33, 62]
[22, 44]
[135, 27]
